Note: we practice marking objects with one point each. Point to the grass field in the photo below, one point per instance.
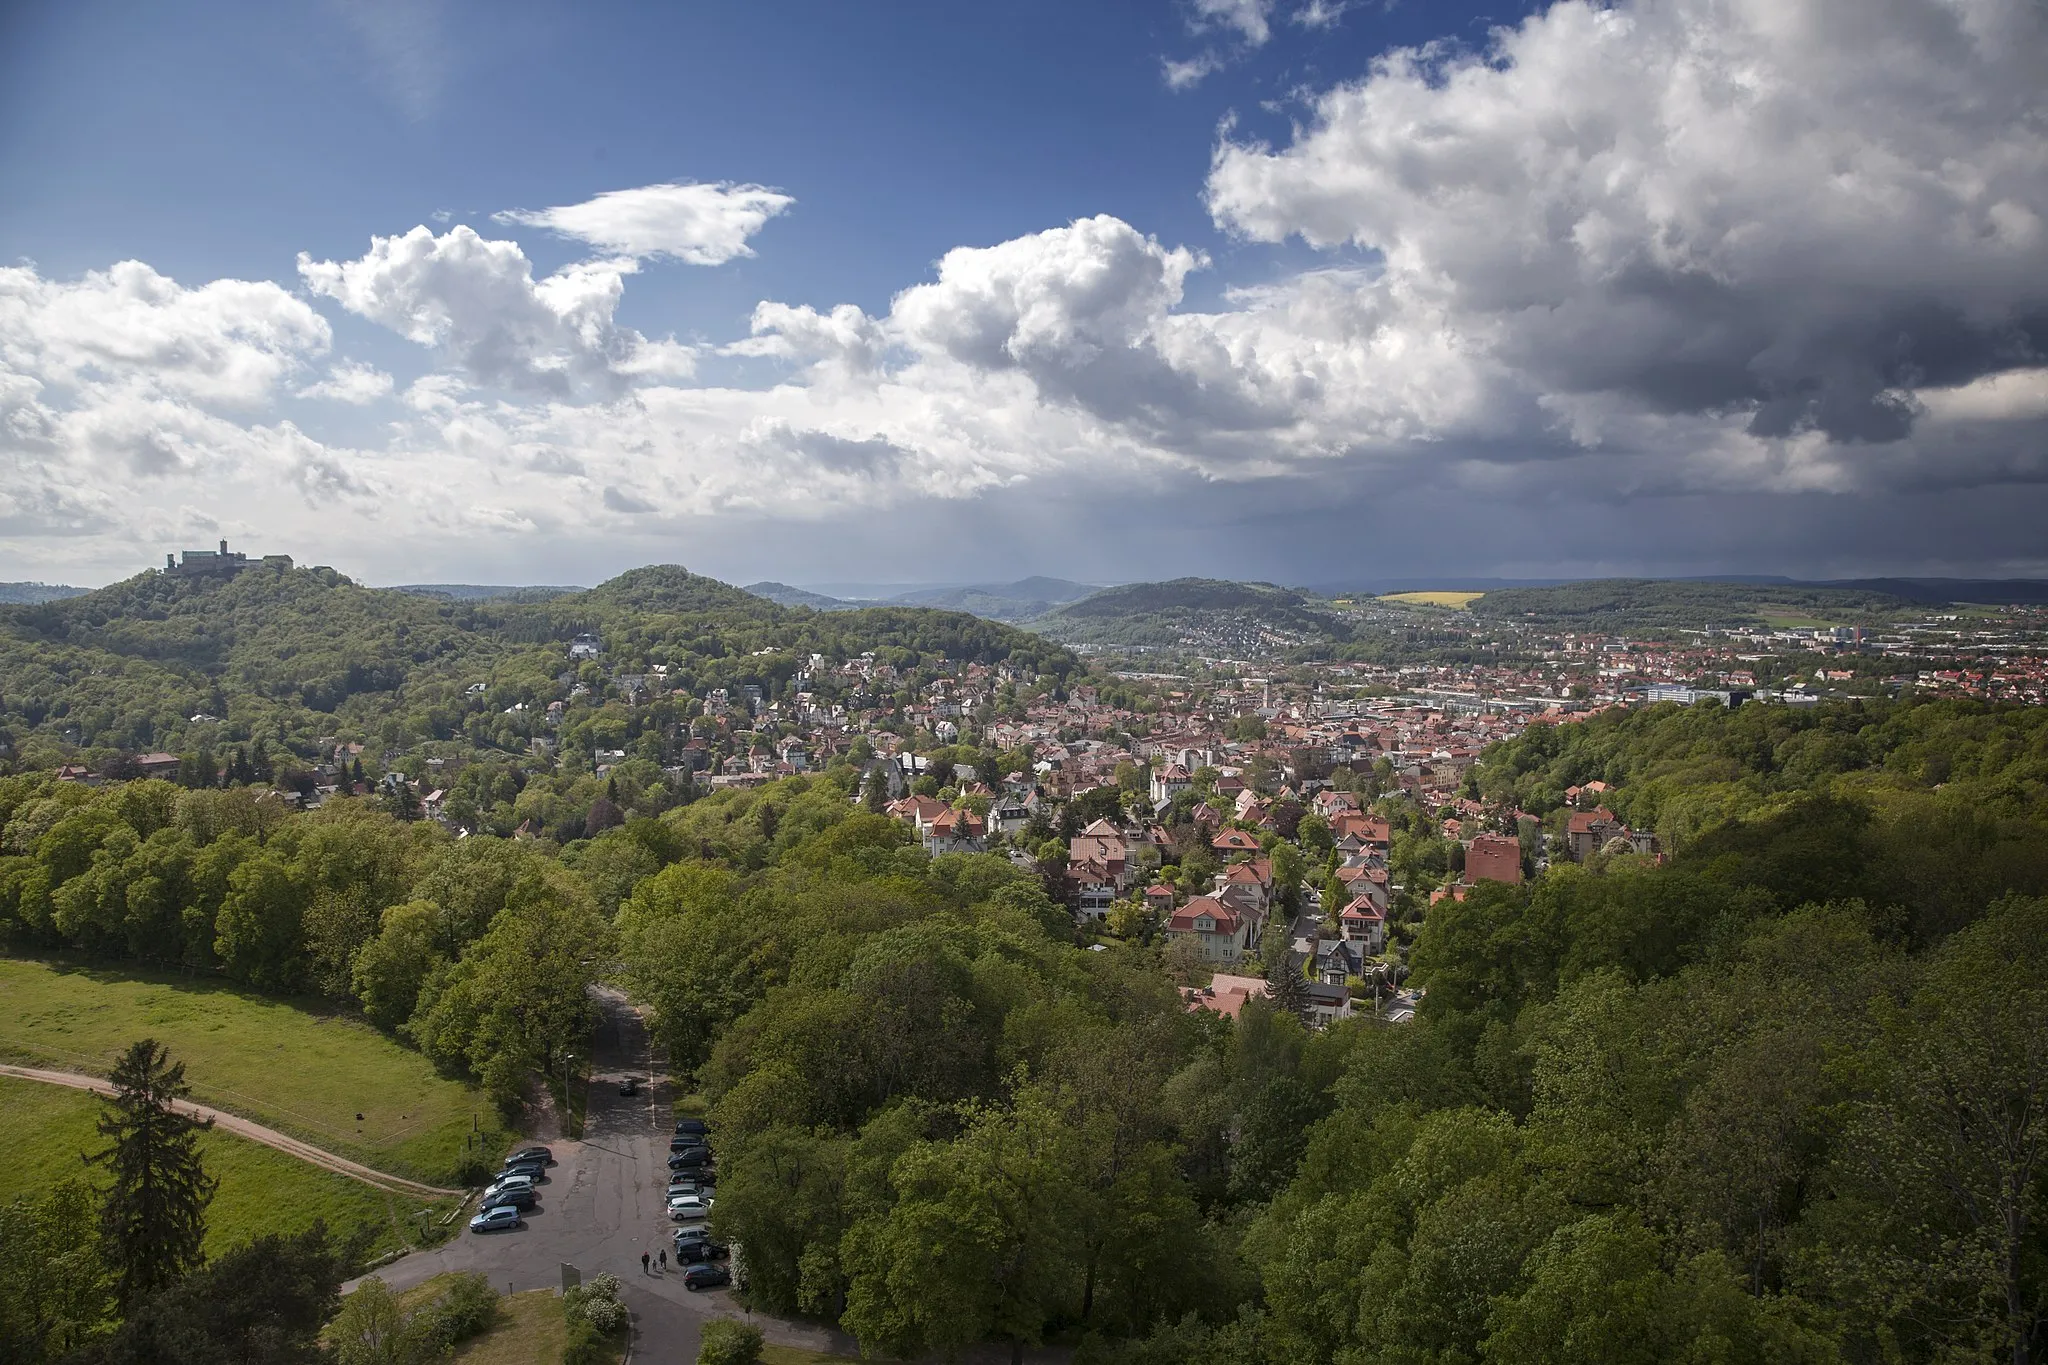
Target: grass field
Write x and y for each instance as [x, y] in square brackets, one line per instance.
[44, 1128]
[1457, 600]
[772, 1354]
[303, 1071]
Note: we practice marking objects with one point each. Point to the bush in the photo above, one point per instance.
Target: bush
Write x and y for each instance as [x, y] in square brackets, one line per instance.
[587, 1345]
[468, 1309]
[595, 1304]
[727, 1341]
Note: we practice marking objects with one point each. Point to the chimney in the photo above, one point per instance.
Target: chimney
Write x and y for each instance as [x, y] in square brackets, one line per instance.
[223, 549]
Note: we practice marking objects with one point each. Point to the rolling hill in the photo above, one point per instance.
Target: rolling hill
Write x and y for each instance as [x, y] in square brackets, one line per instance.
[1206, 615]
[27, 594]
[297, 654]
[1647, 604]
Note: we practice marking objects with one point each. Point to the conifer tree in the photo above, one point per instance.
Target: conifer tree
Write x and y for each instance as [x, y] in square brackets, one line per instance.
[154, 1219]
[1284, 981]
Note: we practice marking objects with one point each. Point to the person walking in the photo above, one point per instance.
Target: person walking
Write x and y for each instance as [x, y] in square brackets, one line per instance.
[664, 1260]
[643, 1263]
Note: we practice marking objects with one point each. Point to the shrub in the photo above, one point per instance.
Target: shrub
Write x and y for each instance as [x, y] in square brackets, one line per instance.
[596, 1304]
[586, 1346]
[727, 1341]
[468, 1309]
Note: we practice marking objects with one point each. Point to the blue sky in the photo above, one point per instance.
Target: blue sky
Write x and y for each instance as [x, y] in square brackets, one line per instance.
[1248, 287]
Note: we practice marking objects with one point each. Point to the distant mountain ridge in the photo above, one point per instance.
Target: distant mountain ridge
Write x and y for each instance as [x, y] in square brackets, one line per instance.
[28, 594]
[1011, 602]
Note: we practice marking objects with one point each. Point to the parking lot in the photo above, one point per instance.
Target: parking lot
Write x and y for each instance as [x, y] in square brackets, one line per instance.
[601, 1205]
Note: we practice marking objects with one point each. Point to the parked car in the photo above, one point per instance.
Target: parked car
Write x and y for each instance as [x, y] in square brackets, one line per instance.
[536, 1152]
[498, 1218]
[511, 1182]
[630, 1086]
[698, 1250]
[518, 1197]
[697, 1126]
[706, 1277]
[683, 1142]
[688, 1208]
[690, 1160]
[683, 1184]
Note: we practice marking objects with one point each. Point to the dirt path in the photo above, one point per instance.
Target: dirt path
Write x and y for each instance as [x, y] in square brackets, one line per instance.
[255, 1132]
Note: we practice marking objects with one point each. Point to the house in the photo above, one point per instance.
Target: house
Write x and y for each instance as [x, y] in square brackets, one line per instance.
[1243, 887]
[1103, 843]
[1226, 994]
[162, 765]
[1327, 1003]
[1091, 889]
[1234, 841]
[1159, 899]
[1363, 922]
[1169, 782]
[1494, 858]
[954, 831]
[917, 811]
[1589, 831]
[1223, 933]
[1338, 960]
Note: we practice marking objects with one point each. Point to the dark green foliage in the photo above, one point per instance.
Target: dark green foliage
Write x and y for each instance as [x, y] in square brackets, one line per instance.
[261, 1304]
[1647, 604]
[153, 1218]
[289, 658]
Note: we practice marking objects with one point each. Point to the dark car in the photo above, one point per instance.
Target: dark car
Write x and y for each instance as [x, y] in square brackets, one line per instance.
[700, 1251]
[517, 1197]
[706, 1276]
[630, 1086]
[536, 1171]
[683, 1142]
[697, 1126]
[694, 1159]
[534, 1153]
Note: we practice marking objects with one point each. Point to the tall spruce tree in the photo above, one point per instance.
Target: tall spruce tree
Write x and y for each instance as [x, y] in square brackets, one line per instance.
[154, 1218]
[1284, 981]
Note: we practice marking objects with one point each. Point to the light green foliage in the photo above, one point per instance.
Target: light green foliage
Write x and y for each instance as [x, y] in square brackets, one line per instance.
[518, 1002]
[728, 1341]
[56, 1289]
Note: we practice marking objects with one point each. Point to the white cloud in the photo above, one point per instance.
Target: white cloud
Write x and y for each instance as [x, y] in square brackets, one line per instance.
[476, 301]
[228, 342]
[1249, 19]
[1796, 213]
[700, 224]
[351, 382]
[1321, 13]
[1186, 75]
[1675, 249]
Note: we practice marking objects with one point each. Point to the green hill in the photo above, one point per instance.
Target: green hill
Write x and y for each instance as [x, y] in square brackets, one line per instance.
[1202, 614]
[1647, 604]
[167, 661]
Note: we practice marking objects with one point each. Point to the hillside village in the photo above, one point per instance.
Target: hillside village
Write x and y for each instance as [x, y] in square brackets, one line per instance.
[1243, 810]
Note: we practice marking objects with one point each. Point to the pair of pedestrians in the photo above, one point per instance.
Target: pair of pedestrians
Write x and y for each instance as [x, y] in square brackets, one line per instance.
[644, 1258]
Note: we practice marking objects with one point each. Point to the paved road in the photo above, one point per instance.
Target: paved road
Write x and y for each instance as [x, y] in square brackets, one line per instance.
[241, 1127]
[601, 1206]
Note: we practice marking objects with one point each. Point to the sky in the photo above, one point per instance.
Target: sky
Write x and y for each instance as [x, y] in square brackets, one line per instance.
[1299, 290]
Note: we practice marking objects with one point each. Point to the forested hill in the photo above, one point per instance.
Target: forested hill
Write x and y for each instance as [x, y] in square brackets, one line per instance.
[290, 656]
[1199, 612]
[1653, 604]
[37, 592]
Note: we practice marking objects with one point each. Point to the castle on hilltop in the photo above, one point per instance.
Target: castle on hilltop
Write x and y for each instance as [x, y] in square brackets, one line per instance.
[219, 563]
